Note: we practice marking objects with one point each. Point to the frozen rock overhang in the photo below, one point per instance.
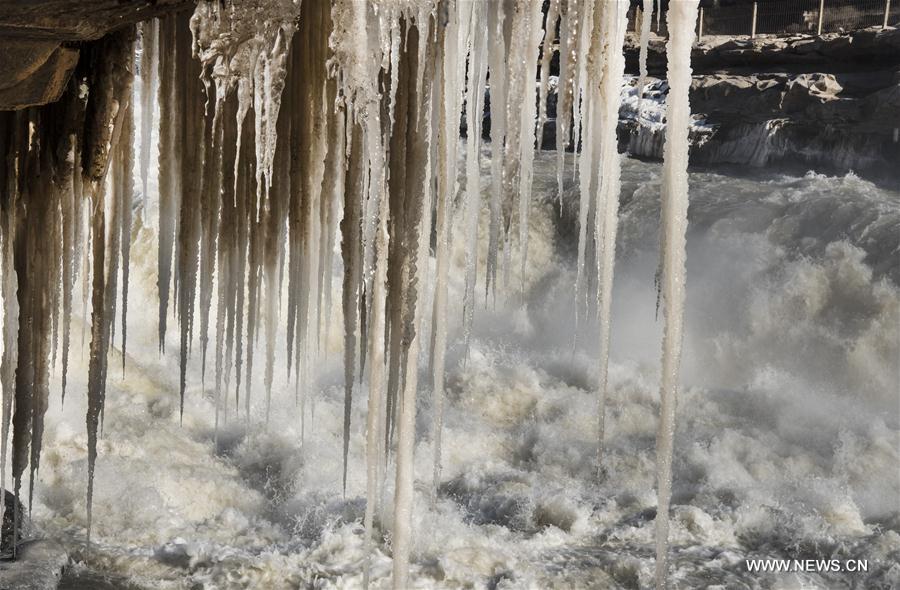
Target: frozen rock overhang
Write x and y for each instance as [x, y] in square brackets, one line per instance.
[39, 41]
[77, 20]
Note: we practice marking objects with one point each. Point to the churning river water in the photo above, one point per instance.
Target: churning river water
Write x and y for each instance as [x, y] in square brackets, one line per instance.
[787, 445]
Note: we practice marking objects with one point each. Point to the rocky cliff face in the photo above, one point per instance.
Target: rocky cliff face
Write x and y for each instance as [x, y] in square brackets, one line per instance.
[831, 103]
[866, 49]
[829, 122]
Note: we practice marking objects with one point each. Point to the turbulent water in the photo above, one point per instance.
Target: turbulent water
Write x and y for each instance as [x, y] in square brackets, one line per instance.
[787, 441]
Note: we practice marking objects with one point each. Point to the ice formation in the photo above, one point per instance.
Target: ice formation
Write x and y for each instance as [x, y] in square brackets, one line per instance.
[644, 49]
[681, 20]
[283, 128]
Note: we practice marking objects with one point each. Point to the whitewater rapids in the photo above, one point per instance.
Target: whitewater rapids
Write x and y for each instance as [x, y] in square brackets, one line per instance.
[790, 447]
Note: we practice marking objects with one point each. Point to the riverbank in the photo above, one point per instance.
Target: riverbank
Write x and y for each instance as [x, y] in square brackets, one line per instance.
[829, 104]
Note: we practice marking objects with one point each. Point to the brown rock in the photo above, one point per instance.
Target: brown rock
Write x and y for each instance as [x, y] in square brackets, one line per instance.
[37, 56]
[34, 72]
[77, 20]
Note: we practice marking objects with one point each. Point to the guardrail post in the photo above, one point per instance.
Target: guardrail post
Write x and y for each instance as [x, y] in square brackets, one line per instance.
[887, 12]
[821, 15]
[753, 23]
[700, 26]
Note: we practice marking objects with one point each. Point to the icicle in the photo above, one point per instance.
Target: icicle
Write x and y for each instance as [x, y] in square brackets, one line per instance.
[274, 223]
[417, 216]
[56, 246]
[474, 108]
[28, 295]
[244, 191]
[589, 158]
[448, 96]
[568, 26]
[531, 37]
[17, 355]
[351, 250]
[521, 64]
[149, 81]
[247, 44]
[191, 126]
[546, 57]
[254, 255]
[329, 235]
[610, 26]
[642, 59]
[358, 52]
[681, 20]
[71, 185]
[308, 147]
[211, 201]
[114, 241]
[226, 247]
[375, 421]
[9, 285]
[112, 74]
[125, 188]
[583, 45]
[332, 196]
[99, 326]
[498, 35]
[170, 110]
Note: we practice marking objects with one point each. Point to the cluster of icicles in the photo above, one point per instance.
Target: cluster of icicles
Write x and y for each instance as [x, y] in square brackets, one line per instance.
[355, 109]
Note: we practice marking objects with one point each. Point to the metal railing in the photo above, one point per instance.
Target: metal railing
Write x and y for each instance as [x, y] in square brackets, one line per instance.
[791, 17]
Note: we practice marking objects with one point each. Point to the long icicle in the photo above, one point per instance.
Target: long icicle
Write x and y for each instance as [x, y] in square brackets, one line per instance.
[169, 152]
[475, 92]
[111, 68]
[642, 57]
[72, 218]
[418, 206]
[448, 96]
[191, 127]
[351, 251]
[24, 372]
[497, 48]
[610, 25]
[8, 187]
[124, 178]
[547, 52]
[681, 19]
[149, 83]
[532, 37]
[568, 25]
